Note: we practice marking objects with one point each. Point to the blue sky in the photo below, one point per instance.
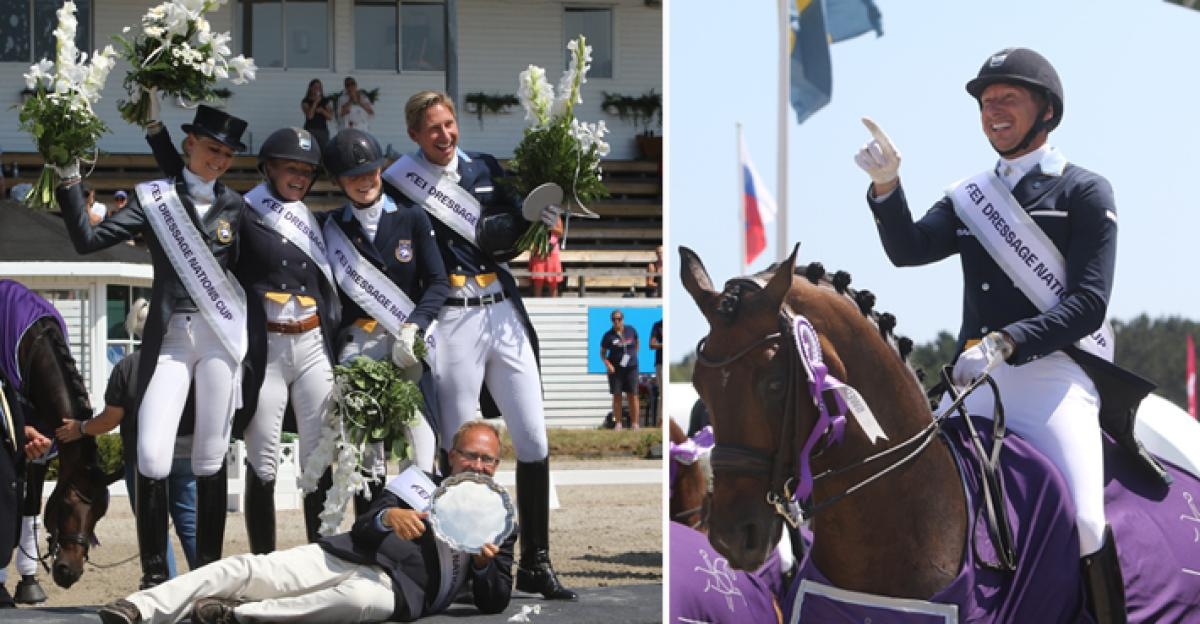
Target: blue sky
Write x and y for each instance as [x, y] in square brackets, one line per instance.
[1131, 98]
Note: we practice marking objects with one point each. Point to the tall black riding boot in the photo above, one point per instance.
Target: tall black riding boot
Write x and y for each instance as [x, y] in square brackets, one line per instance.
[1105, 587]
[211, 504]
[314, 504]
[260, 512]
[535, 575]
[150, 499]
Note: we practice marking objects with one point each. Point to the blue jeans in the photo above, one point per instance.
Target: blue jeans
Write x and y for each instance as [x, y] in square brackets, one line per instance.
[181, 495]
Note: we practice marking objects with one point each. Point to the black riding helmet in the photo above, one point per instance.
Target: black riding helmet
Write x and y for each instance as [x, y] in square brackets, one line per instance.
[295, 144]
[1026, 68]
[352, 152]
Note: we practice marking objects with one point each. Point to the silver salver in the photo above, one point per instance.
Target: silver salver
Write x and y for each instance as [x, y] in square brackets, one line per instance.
[469, 510]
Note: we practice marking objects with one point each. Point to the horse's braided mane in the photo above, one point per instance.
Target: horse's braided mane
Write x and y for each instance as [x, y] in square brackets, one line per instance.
[66, 362]
[864, 300]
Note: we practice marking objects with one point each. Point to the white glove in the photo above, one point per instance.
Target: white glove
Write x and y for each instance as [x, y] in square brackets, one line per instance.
[879, 158]
[550, 214]
[982, 358]
[402, 351]
[154, 110]
[67, 172]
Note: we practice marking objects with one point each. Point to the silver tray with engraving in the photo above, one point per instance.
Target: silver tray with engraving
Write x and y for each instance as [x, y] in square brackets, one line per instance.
[469, 510]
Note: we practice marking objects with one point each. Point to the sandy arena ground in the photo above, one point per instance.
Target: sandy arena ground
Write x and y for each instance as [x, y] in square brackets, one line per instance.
[602, 535]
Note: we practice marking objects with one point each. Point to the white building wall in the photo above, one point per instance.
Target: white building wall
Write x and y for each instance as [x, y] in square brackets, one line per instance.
[497, 40]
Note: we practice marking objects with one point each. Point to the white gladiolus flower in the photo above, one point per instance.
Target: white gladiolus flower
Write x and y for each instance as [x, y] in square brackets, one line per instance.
[244, 68]
[39, 73]
[193, 7]
[535, 95]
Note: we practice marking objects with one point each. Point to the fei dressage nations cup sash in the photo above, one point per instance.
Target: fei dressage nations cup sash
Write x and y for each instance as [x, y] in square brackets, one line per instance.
[373, 291]
[220, 300]
[1021, 248]
[444, 200]
[293, 221]
[414, 487]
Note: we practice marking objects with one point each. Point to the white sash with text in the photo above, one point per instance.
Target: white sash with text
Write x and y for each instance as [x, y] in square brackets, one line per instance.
[221, 300]
[1021, 248]
[373, 291]
[293, 221]
[414, 487]
[444, 200]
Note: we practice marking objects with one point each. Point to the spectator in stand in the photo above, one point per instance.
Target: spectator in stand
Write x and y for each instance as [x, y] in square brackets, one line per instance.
[654, 272]
[618, 349]
[354, 107]
[656, 345]
[548, 264]
[120, 198]
[96, 210]
[318, 111]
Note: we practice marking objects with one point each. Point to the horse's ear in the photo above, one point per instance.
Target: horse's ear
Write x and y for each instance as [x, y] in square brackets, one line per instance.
[697, 282]
[777, 289]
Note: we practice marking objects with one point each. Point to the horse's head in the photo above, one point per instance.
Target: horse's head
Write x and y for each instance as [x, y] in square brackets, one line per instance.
[752, 377]
[77, 503]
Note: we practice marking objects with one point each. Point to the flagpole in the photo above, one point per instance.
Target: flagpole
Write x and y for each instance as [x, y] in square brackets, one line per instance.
[781, 199]
[741, 194]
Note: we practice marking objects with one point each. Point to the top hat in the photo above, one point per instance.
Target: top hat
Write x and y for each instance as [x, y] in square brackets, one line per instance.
[218, 125]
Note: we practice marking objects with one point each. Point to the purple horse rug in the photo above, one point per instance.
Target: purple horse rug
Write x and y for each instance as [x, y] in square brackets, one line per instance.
[20, 308]
[1156, 528]
[704, 589]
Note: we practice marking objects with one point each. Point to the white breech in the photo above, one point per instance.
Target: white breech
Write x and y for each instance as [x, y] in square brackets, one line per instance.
[1053, 404]
[489, 344]
[190, 352]
[296, 363]
[302, 584]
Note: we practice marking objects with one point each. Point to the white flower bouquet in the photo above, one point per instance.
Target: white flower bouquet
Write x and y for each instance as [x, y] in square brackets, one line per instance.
[59, 114]
[557, 147]
[177, 54]
[371, 401]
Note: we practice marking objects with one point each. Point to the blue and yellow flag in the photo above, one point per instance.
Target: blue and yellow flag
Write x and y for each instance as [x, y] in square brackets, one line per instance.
[816, 23]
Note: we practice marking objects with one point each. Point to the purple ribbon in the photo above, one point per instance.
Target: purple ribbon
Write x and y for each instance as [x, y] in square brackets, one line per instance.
[687, 453]
[809, 348]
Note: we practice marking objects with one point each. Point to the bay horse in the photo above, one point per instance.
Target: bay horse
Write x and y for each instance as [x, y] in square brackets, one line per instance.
[892, 494]
[46, 377]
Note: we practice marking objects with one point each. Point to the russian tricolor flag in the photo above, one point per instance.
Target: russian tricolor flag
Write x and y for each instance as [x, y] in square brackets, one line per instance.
[758, 206]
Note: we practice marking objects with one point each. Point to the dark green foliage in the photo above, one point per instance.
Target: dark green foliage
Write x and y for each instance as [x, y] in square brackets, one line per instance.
[376, 402]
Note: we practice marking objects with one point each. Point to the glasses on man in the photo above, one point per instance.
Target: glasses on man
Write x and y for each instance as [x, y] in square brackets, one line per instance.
[618, 318]
[486, 460]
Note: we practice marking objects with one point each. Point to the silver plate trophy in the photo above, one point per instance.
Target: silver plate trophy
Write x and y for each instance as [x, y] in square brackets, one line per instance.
[540, 197]
[470, 510]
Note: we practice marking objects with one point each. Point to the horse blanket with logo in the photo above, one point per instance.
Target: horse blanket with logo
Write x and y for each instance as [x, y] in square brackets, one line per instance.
[20, 308]
[705, 589]
[1157, 532]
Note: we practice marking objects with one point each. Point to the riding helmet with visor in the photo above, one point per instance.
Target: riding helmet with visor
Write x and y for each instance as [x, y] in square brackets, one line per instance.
[1025, 68]
[353, 152]
[293, 143]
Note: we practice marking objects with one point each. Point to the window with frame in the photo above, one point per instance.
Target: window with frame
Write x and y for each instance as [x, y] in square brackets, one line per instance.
[291, 34]
[27, 29]
[390, 35]
[118, 343]
[596, 24]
